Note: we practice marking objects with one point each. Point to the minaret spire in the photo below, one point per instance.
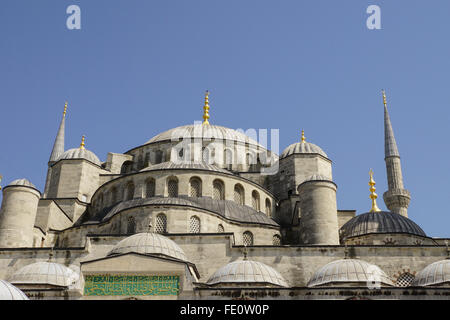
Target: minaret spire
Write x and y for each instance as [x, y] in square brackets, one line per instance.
[206, 108]
[58, 146]
[397, 198]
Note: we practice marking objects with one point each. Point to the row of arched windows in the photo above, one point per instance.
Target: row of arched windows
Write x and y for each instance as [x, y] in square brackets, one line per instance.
[195, 190]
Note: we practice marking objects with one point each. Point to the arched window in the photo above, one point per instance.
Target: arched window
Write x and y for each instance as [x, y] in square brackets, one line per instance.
[195, 187]
[276, 240]
[131, 225]
[150, 188]
[172, 187]
[161, 223]
[405, 280]
[228, 159]
[206, 155]
[218, 190]
[268, 208]
[127, 167]
[113, 195]
[158, 156]
[220, 228]
[255, 200]
[129, 191]
[247, 238]
[194, 224]
[239, 194]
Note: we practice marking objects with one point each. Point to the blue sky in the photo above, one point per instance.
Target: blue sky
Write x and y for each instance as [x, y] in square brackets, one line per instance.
[137, 68]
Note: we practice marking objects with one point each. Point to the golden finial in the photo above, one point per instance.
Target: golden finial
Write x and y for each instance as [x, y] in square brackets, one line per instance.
[303, 136]
[384, 97]
[206, 108]
[65, 109]
[82, 142]
[373, 195]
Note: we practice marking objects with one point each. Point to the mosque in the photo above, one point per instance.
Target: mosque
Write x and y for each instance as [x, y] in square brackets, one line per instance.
[206, 212]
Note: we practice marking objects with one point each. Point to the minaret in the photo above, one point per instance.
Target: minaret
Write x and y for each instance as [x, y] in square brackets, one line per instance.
[58, 146]
[58, 149]
[397, 197]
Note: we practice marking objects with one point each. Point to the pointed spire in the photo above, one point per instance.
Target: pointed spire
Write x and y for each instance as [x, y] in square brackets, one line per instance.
[303, 136]
[206, 108]
[390, 145]
[82, 142]
[58, 146]
[373, 195]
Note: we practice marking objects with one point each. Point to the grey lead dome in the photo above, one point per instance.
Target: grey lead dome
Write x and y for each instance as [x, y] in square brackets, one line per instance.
[436, 273]
[10, 292]
[246, 271]
[78, 153]
[303, 148]
[379, 222]
[45, 273]
[348, 271]
[149, 243]
[22, 182]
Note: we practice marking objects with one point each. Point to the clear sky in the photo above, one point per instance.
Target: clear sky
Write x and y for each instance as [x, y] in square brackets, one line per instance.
[137, 68]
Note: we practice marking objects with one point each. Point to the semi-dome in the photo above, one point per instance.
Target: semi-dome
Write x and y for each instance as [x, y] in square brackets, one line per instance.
[48, 273]
[10, 292]
[436, 273]
[348, 271]
[80, 153]
[201, 131]
[246, 271]
[379, 222]
[302, 147]
[149, 243]
[22, 182]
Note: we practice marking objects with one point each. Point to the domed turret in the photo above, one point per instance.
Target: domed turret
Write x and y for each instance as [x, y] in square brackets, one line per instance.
[348, 271]
[302, 147]
[149, 243]
[248, 272]
[80, 153]
[18, 214]
[10, 292]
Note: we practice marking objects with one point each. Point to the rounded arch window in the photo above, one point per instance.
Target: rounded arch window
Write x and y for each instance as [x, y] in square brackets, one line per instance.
[129, 191]
[131, 225]
[194, 224]
[150, 188]
[268, 208]
[172, 187]
[239, 194]
[206, 155]
[228, 158]
[220, 228]
[127, 167]
[195, 187]
[161, 223]
[255, 200]
[276, 240]
[218, 190]
[247, 238]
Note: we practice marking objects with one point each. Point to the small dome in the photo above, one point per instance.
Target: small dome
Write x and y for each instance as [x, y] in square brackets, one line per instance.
[79, 153]
[348, 271]
[379, 222]
[200, 131]
[149, 243]
[318, 177]
[302, 148]
[434, 274]
[9, 292]
[45, 273]
[22, 182]
[246, 271]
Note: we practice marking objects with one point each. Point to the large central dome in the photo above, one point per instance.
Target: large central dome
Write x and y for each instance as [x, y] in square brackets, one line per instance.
[204, 132]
